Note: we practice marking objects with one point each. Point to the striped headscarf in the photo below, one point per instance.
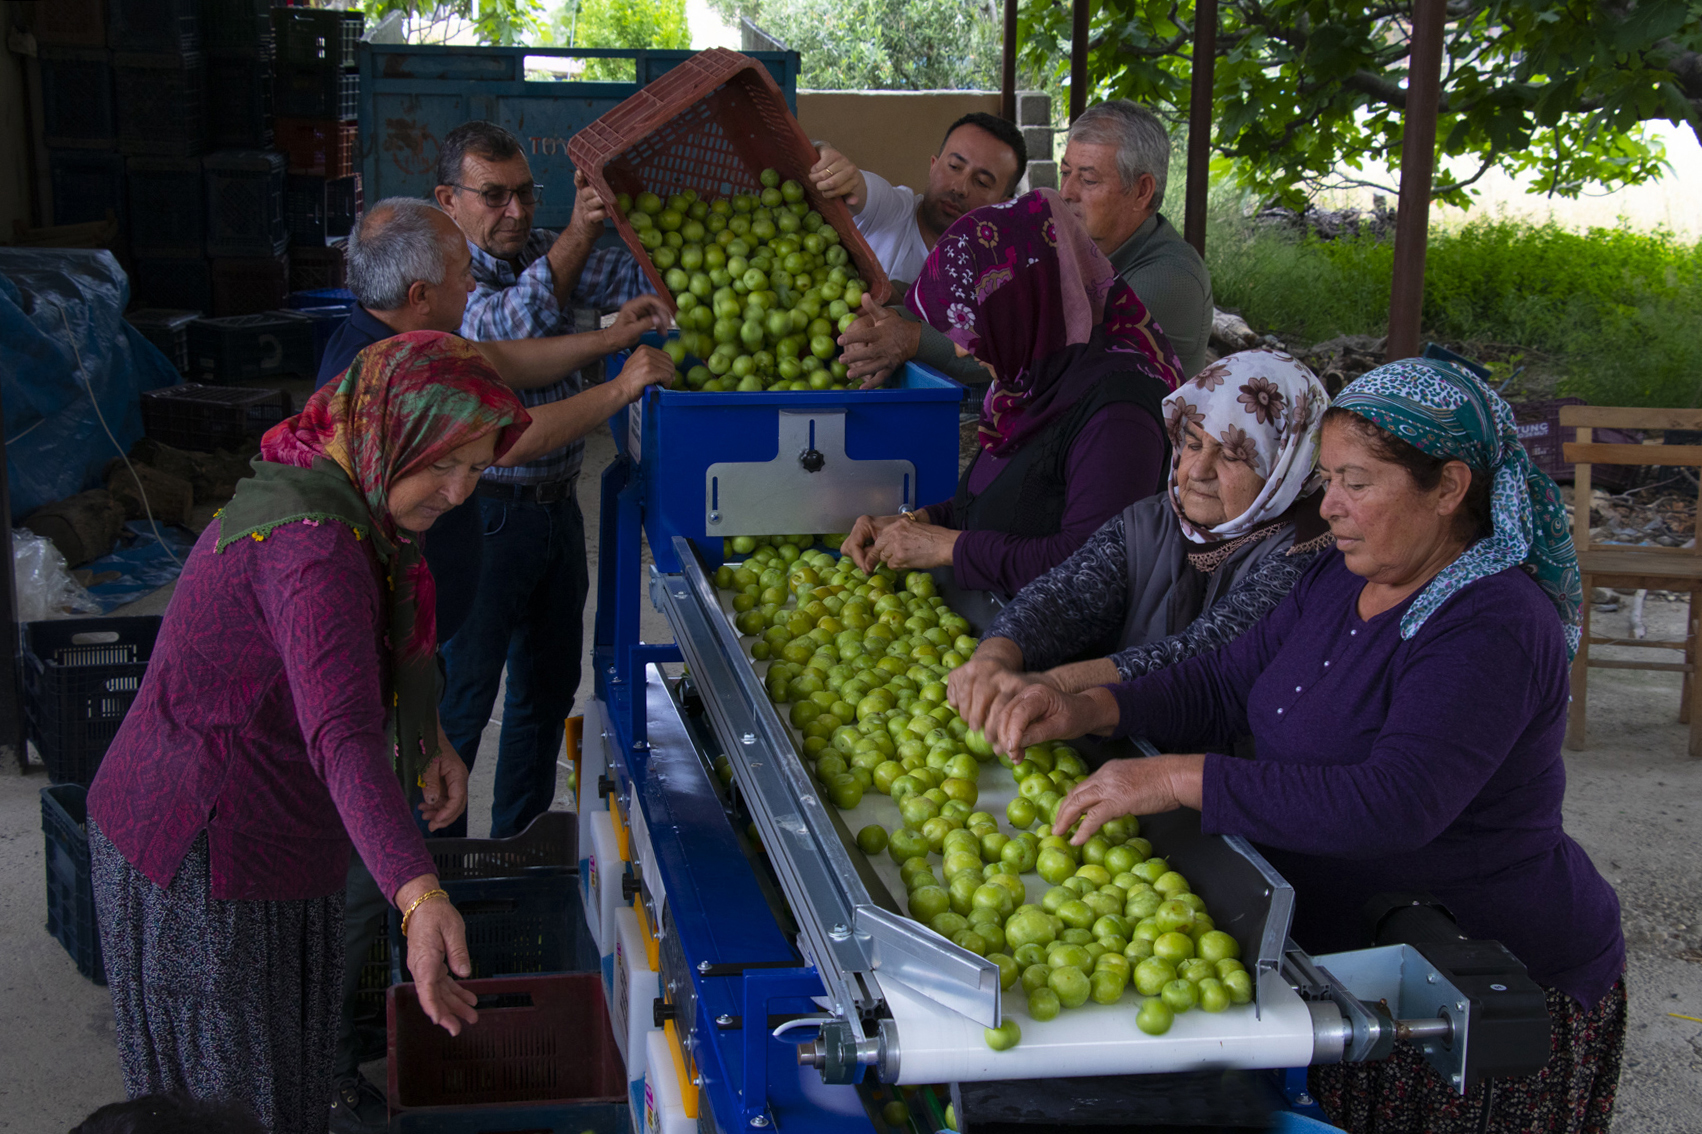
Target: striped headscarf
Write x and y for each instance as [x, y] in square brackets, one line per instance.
[1449, 413]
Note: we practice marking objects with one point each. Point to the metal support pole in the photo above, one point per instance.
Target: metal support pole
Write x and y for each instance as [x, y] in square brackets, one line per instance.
[1199, 123]
[1007, 70]
[1078, 58]
[1418, 166]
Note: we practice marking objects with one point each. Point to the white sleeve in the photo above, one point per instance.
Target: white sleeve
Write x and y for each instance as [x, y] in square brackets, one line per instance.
[888, 219]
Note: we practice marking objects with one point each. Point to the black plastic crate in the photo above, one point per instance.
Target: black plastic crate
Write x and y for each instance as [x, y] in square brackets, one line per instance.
[314, 268]
[168, 330]
[70, 889]
[249, 285]
[164, 26]
[161, 104]
[208, 418]
[326, 321]
[80, 676]
[514, 926]
[181, 282]
[374, 983]
[239, 102]
[316, 94]
[245, 203]
[166, 215]
[317, 40]
[76, 98]
[548, 845]
[572, 1118]
[244, 347]
[239, 28]
[318, 208]
[87, 184]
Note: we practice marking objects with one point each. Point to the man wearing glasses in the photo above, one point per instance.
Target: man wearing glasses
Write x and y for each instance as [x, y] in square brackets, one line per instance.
[529, 612]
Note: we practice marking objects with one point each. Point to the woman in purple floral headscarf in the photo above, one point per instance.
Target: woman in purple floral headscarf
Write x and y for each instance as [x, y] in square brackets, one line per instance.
[1071, 428]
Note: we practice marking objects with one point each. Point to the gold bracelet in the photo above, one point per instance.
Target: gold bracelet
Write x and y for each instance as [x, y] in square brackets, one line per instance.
[415, 904]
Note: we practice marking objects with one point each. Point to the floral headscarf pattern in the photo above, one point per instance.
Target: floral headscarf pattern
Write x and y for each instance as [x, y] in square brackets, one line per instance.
[402, 404]
[1017, 285]
[1449, 413]
[1264, 407]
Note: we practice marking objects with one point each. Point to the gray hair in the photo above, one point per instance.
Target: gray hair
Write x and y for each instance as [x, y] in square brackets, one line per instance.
[393, 244]
[1143, 144]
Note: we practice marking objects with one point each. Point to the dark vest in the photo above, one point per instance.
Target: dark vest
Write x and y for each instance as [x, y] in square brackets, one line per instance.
[1027, 497]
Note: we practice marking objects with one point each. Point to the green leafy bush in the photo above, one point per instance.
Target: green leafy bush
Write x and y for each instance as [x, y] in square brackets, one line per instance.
[1613, 315]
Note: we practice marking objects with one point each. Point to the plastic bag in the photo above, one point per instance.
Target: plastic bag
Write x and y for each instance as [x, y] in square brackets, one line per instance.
[45, 588]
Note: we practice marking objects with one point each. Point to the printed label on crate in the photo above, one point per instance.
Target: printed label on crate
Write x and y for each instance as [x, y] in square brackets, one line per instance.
[635, 430]
[623, 989]
[591, 877]
[652, 1120]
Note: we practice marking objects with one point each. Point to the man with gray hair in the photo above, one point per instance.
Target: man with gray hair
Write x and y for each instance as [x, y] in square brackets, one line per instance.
[1116, 163]
[410, 270]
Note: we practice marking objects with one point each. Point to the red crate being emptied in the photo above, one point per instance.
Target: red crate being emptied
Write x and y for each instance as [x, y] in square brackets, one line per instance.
[539, 1039]
[712, 124]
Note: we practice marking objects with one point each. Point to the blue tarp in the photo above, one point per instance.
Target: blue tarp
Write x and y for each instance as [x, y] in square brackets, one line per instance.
[56, 305]
[143, 566]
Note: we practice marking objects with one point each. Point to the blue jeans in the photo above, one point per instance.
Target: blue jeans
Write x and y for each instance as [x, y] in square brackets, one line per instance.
[529, 614]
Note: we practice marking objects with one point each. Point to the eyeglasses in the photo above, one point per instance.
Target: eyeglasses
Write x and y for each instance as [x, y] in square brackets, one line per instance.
[498, 196]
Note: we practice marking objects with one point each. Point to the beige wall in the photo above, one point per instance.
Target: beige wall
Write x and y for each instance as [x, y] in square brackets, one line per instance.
[892, 133]
[14, 133]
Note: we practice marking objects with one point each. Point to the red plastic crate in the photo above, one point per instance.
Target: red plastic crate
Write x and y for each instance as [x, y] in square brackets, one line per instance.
[539, 1039]
[320, 146]
[711, 124]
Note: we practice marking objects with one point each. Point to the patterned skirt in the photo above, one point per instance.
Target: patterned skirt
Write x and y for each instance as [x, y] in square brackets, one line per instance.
[229, 1000]
[1572, 1094]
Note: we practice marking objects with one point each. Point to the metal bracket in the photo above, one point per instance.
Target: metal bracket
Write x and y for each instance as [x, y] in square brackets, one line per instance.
[921, 959]
[811, 485]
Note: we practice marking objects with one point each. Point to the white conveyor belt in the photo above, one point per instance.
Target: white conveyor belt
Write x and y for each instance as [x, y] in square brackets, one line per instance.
[937, 1045]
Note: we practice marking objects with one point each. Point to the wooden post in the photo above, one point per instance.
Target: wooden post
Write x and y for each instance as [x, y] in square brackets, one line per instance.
[1007, 72]
[1078, 58]
[1199, 123]
[1418, 165]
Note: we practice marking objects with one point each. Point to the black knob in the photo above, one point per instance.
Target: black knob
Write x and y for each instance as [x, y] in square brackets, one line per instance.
[661, 1011]
[629, 887]
[605, 787]
[811, 460]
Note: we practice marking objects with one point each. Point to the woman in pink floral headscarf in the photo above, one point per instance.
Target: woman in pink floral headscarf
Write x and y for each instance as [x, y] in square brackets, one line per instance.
[1071, 428]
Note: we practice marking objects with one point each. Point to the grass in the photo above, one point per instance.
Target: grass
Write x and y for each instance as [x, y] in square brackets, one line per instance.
[1611, 315]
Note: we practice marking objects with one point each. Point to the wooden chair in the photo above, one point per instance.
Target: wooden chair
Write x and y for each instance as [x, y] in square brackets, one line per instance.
[1653, 568]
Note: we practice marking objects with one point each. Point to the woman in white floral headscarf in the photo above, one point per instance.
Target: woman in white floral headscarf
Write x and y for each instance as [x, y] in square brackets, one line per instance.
[1186, 570]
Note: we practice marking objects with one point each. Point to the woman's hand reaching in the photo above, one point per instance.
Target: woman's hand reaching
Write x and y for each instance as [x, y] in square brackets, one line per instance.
[1148, 786]
[437, 948]
[444, 786]
[915, 545]
[859, 543]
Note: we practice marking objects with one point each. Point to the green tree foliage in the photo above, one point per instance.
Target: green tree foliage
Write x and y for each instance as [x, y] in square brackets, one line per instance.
[1554, 92]
[619, 23]
[502, 23]
[906, 45]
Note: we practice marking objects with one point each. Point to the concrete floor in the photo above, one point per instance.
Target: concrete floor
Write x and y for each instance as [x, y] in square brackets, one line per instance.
[1632, 802]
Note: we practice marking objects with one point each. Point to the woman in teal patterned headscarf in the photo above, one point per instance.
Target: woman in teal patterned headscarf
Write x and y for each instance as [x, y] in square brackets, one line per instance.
[1451, 414]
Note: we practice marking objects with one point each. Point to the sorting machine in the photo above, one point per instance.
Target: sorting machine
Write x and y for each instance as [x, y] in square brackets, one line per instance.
[761, 972]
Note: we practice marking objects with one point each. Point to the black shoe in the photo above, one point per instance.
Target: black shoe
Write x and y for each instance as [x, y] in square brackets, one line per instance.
[357, 1107]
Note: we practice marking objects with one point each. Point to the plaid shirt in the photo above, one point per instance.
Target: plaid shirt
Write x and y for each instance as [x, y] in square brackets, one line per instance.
[504, 305]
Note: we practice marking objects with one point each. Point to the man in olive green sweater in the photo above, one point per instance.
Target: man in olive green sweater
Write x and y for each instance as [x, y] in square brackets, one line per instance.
[1115, 166]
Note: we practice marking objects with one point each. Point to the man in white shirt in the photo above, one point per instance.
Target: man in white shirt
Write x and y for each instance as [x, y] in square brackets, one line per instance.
[981, 161]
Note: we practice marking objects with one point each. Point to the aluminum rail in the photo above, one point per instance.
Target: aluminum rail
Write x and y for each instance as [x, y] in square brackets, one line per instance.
[843, 932]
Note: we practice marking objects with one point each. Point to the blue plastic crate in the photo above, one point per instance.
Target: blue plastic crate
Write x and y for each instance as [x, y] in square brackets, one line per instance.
[515, 926]
[70, 890]
[675, 436]
[327, 321]
[322, 297]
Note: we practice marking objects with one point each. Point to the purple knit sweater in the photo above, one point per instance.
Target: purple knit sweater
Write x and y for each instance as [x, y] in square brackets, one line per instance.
[1426, 764]
[261, 721]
